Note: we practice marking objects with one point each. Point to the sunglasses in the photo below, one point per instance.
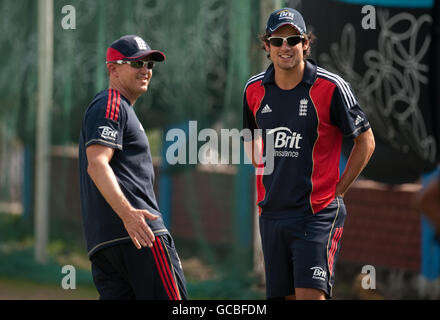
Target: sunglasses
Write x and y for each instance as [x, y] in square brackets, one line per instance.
[291, 40]
[136, 64]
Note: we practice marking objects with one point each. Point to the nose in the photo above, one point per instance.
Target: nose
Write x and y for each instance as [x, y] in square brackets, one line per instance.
[285, 45]
[144, 70]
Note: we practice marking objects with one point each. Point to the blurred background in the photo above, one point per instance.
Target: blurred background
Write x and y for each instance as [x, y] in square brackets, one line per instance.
[388, 50]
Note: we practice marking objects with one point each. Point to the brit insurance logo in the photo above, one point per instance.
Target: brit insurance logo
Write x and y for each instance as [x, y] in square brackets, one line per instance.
[108, 133]
[319, 273]
[286, 14]
[285, 139]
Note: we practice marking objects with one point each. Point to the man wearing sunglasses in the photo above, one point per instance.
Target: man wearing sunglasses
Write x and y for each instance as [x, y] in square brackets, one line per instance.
[131, 251]
[303, 112]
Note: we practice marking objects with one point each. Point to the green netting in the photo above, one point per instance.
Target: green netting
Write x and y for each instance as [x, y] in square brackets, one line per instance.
[210, 47]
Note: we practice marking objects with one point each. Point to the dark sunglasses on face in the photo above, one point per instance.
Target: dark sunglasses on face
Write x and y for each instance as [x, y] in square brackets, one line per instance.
[136, 64]
[291, 40]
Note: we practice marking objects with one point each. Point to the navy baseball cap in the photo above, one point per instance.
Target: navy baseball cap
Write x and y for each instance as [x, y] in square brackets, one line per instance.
[284, 16]
[132, 48]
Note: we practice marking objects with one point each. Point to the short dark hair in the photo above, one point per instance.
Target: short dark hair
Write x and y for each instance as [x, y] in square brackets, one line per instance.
[309, 36]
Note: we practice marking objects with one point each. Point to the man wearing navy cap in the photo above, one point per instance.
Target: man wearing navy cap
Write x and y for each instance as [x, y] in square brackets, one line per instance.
[132, 253]
[303, 112]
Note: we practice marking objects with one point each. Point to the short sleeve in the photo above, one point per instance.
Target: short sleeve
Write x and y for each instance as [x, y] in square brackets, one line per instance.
[346, 113]
[104, 123]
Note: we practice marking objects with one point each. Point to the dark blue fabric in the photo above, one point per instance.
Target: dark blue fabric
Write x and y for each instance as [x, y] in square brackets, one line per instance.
[289, 187]
[131, 163]
[122, 272]
[294, 248]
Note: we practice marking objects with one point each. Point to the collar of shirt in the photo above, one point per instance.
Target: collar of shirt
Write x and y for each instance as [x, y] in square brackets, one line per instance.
[309, 76]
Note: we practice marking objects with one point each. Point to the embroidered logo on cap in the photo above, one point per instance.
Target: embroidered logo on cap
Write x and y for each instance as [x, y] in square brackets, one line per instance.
[286, 14]
[141, 43]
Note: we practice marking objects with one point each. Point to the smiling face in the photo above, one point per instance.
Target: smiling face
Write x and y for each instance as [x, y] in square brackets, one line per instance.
[286, 57]
[130, 81]
[135, 80]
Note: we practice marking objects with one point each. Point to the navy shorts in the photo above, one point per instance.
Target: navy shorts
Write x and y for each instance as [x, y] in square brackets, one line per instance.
[302, 252]
[122, 272]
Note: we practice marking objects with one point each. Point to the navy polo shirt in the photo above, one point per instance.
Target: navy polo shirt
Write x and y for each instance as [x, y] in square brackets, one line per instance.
[306, 125]
[110, 121]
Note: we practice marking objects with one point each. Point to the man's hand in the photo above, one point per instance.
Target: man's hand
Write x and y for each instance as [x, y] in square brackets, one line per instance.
[138, 230]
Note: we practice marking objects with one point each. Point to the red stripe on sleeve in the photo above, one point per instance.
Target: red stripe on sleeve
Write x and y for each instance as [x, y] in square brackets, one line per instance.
[117, 106]
[108, 103]
[113, 105]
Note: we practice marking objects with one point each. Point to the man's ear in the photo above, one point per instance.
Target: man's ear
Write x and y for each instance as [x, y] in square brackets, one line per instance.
[266, 46]
[306, 44]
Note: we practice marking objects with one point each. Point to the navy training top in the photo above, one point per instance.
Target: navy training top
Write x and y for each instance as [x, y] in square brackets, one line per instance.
[110, 121]
[306, 126]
